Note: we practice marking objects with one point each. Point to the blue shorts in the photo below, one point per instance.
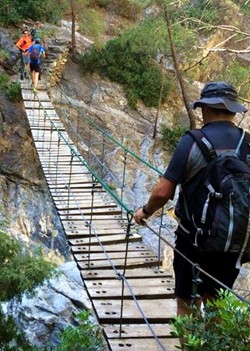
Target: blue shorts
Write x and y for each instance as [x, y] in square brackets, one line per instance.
[26, 58]
[219, 265]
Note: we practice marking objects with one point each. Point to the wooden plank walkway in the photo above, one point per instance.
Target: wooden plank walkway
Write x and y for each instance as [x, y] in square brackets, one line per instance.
[99, 250]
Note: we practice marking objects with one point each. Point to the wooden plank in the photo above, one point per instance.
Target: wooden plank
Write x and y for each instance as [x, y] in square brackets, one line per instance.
[38, 104]
[157, 311]
[142, 289]
[136, 273]
[77, 184]
[143, 344]
[109, 239]
[137, 331]
[97, 212]
[115, 255]
[101, 227]
[59, 194]
[78, 234]
[83, 203]
[74, 235]
[119, 263]
[80, 216]
[28, 94]
[110, 248]
[49, 115]
[77, 192]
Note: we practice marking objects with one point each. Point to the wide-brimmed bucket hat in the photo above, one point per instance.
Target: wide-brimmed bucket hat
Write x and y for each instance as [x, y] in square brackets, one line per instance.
[220, 95]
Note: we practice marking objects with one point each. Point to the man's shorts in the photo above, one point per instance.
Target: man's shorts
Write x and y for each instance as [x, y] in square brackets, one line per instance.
[34, 67]
[26, 58]
[219, 265]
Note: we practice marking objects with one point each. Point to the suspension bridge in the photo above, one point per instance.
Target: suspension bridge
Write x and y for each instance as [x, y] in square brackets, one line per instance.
[131, 294]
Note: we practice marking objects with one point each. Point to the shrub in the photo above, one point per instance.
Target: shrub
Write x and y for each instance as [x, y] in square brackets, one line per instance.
[21, 269]
[171, 136]
[84, 337]
[92, 24]
[15, 11]
[237, 75]
[204, 332]
[13, 92]
[10, 336]
[4, 79]
[126, 8]
[4, 54]
[134, 69]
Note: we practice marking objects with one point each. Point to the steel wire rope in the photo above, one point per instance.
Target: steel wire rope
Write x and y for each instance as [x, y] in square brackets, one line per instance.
[200, 269]
[57, 158]
[130, 216]
[112, 194]
[69, 182]
[83, 161]
[142, 314]
[123, 177]
[194, 265]
[119, 276]
[91, 215]
[96, 127]
[197, 266]
[90, 151]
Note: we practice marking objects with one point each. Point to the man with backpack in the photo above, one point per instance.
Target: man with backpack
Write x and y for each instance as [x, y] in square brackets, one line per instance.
[36, 52]
[212, 166]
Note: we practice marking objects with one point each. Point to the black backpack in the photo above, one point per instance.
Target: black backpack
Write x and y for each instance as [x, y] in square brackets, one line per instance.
[220, 214]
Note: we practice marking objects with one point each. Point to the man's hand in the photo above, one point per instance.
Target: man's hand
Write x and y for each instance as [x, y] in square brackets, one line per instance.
[140, 216]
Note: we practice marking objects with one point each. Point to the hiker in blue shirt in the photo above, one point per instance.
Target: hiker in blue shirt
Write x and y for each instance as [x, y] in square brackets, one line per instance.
[37, 52]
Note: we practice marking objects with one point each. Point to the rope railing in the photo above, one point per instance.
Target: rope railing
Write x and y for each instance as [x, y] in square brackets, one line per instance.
[65, 140]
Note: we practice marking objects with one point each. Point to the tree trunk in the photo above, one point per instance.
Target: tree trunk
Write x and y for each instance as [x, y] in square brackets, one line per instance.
[177, 70]
[73, 28]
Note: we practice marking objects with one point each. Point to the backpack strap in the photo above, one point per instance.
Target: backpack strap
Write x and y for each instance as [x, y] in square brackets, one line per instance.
[204, 144]
[207, 148]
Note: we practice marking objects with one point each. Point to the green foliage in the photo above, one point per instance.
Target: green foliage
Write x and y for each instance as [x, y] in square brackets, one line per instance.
[21, 270]
[4, 54]
[11, 339]
[4, 79]
[126, 8]
[85, 337]
[100, 3]
[150, 36]
[204, 10]
[140, 76]
[244, 6]
[237, 75]
[92, 24]
[224, 326]
[171, 136]
[13, 92]
[15, 11]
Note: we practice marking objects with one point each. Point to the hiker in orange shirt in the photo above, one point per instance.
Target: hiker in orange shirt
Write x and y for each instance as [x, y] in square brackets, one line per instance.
[23, 44]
